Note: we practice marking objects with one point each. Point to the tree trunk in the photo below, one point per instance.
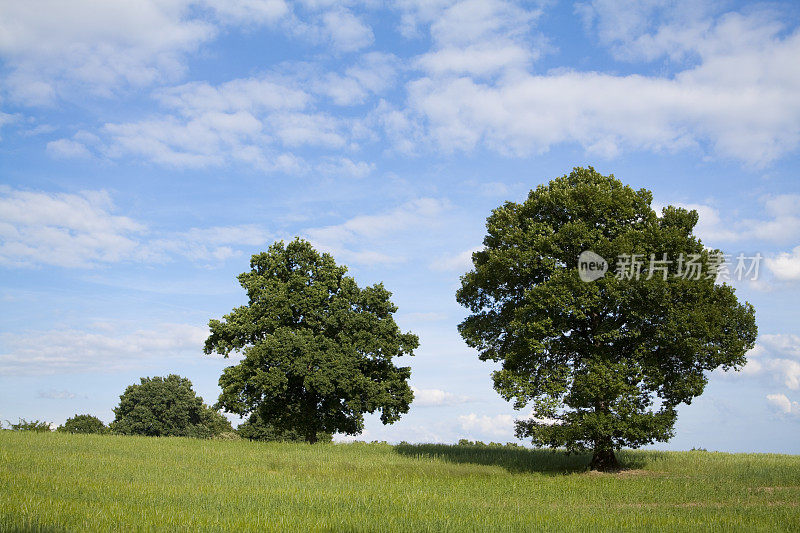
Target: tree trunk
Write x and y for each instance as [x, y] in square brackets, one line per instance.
[311, 436]
[604, 460]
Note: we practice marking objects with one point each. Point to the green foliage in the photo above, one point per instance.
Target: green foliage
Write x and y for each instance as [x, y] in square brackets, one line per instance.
[602, 364]
[166, 407]
[63, 482]
[83, 424]
[38, 426]
[317, 348]
[254, 428]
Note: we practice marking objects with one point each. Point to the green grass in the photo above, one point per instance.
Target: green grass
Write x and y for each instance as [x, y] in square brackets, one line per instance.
[62, 482]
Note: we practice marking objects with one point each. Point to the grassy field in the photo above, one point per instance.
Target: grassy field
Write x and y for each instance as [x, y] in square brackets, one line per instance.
[59, 482]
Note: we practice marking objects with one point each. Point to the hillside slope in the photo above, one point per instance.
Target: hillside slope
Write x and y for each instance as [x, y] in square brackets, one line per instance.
[52, 482]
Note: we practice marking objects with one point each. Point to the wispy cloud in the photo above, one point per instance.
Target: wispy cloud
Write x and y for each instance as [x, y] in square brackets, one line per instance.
[96, 350]
[460, 262]
[83, 231]
[736, 100]
[480, 37]
[258, 122]
[498, 425]
[785, 265]
[437, 397]
[776, 357]
[783, 404]
[55, 49]
[367, 239]
[73, 230]
[778, 223]
[55, 394]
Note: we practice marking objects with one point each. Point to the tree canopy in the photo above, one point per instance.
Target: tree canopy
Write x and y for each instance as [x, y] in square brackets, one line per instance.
[318, 350]
[166, 407]
[603, 364]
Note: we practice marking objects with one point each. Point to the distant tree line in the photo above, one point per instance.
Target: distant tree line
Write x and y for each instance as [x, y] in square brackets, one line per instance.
[166, 407]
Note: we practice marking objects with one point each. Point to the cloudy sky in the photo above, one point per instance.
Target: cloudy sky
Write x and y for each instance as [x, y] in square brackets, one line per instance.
[148, 148]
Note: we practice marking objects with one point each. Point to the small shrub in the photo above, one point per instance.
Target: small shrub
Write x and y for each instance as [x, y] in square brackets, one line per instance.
[480, 444]
[83, 424]
[166, 407]
[38, 426]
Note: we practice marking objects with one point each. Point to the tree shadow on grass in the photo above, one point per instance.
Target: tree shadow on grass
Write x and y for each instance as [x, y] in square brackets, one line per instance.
[516, 459]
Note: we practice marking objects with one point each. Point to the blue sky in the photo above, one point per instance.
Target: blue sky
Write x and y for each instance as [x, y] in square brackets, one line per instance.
[149, 148]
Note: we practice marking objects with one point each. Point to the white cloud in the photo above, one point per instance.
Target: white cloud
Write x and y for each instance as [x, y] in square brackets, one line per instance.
[710, 226]
[373, 73]
[257, 121]
[780, 223]
[478, 59]
[784, 404]
[82, 231]
[374, 231]
[8, 118]
[38, 130]
[788, 370]
[406, 132]
[646, 30]
[73, 230]
[251, 121]
[195, 143]
[248, 12]
[215, 244]
[471, 21]
[51, 46]
[784, 222]
[786, 344]
[308, 129]
[498, 425]
[101, 44]
[606, 114]
[461, 262]
[776, 356]
[331, 25]
[436, 397]
[734, 97]
[480, 37]
[786, 265]
[342, 167]
[246, 94]
[67, 148]
[343, 90]
[72, 350]
[346, 31]
[736, 101]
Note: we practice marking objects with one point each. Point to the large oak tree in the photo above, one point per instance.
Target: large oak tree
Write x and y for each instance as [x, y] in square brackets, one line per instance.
[318, 349]
[603, 364]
